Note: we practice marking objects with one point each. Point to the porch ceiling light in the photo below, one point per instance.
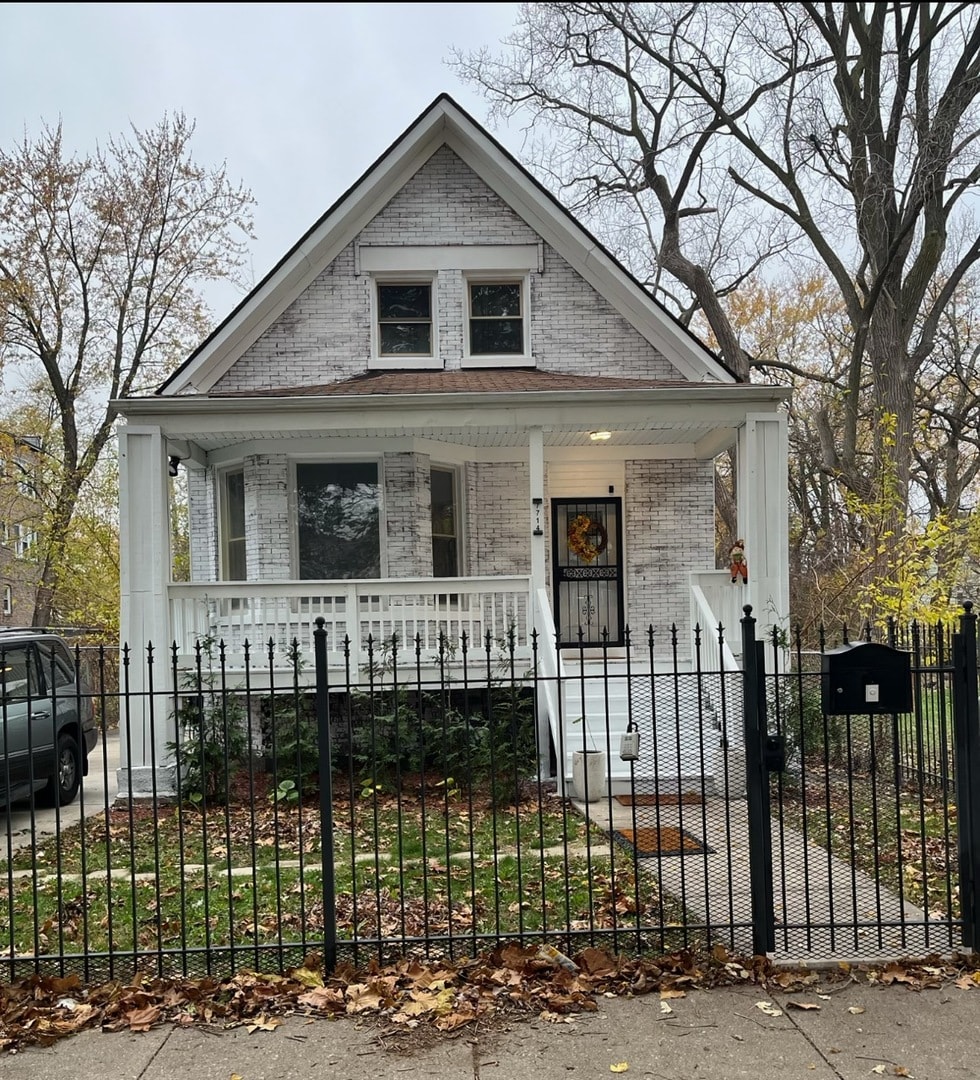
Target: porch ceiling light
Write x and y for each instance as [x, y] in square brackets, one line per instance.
[600, 436]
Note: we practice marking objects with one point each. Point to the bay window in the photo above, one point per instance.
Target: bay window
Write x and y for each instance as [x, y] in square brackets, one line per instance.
[339, 519]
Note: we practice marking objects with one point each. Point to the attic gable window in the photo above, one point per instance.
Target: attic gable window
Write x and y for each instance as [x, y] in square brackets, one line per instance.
[496, 318]
[405, 319]
[497, 326]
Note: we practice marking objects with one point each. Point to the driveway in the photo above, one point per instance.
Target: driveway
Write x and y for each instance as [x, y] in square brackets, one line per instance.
[98, 789]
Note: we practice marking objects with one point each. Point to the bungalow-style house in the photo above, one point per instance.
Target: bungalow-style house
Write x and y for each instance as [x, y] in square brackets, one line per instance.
[448, 408]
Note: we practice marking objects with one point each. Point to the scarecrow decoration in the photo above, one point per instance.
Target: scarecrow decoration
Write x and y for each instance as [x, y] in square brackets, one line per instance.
[736, 562]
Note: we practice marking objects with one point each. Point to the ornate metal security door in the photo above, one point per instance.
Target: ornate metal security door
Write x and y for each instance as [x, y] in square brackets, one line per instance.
[586, 546]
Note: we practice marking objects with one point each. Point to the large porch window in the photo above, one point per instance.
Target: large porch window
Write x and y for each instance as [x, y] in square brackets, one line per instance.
[445, 523]
[339, 514]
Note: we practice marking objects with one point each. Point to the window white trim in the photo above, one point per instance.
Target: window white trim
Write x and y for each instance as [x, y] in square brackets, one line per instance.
[497, 360]
[8, 600]
[24, 540]
[223, 524]
[514, 259]
[379, 361]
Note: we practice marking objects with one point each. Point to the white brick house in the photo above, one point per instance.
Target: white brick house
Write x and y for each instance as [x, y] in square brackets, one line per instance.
[400, 426]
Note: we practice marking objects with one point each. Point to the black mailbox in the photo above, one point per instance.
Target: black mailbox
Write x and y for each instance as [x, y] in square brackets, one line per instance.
[865, 677]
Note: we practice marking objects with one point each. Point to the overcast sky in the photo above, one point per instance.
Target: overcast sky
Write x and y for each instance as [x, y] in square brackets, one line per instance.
[296, 99]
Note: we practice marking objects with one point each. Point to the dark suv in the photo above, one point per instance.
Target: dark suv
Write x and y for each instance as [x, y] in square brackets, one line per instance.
[48, 725]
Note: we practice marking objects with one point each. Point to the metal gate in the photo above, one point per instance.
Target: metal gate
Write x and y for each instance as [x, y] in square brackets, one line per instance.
[864, 830]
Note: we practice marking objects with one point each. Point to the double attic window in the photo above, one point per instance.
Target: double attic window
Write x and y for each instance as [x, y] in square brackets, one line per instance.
[432, 302]
[494, 317]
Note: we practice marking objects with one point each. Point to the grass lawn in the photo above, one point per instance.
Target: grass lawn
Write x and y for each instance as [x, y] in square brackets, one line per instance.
[904, 838]
[437, 865]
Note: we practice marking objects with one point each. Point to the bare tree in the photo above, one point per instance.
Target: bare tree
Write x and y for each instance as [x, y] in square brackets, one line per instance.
[855, 125]
[101, 261]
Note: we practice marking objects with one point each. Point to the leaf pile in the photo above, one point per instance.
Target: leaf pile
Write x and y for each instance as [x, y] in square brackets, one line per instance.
[512, 980]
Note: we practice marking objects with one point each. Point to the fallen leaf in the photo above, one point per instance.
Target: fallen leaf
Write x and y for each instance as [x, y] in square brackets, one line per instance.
[143, 1019]
[665, 1009]
[323, 998]
[596, 962]
[805, 1006]
[672, 994]
[555, 1018]
[621, 1066]
[855, 1010]
[768, 1008]
[454, 1020]
[264, 1023]
[307, 977]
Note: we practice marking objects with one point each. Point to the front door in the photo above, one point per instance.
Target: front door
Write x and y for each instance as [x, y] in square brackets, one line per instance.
[586, 547]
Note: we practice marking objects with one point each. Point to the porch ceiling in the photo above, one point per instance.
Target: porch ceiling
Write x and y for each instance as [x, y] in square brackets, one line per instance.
[680, 434]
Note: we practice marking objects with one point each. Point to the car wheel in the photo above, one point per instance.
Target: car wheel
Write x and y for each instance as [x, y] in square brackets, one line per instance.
[63, 786]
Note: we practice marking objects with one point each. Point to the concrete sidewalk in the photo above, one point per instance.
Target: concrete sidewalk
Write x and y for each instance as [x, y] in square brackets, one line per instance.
[859, 1030]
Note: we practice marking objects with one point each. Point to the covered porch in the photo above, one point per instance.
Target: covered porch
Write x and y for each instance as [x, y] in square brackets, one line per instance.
[525, 457]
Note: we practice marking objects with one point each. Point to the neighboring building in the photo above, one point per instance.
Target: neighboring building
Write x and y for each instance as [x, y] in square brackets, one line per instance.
[448, 407]
[20, 515]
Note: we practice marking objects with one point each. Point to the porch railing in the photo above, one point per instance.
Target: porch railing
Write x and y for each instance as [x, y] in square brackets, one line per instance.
[714, 601]
[416, 610]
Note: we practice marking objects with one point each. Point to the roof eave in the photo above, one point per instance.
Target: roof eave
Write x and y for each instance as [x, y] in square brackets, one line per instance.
[741, 393]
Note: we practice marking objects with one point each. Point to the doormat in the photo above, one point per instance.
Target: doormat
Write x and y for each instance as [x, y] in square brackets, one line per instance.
[688, 798]
[667, 840]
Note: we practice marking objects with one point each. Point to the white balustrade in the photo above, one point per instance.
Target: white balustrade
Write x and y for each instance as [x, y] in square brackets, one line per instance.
[419, 613]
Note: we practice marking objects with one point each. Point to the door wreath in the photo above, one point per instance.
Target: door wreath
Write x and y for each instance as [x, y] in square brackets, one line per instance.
[587, 537]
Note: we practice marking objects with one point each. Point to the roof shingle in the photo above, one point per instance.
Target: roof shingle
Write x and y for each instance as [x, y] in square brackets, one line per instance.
[479, 380]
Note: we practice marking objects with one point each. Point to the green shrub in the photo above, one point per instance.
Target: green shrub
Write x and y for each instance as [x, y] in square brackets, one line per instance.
[212, 740]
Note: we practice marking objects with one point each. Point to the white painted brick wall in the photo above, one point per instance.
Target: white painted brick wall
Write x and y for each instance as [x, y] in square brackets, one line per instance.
[576, 331]
[669, 532]
[202, 524]
[267, 521]
[325, 335]
[497, 516]
[408, 514]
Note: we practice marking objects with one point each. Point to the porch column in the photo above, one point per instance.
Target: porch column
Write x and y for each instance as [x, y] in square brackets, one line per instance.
[536, 532]
[763, 497]
[536, 486]
[145, 725]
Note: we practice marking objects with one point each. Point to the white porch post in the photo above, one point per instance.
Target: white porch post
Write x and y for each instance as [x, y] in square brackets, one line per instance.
[144, 567]
[536, 484]
[762, 491]
[536, 531]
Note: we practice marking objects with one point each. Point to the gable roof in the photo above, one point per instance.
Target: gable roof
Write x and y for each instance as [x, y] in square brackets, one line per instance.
[443, 123]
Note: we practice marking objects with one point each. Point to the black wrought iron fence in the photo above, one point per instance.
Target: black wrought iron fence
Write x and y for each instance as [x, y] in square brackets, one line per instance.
[449, 801]
[455, 789]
